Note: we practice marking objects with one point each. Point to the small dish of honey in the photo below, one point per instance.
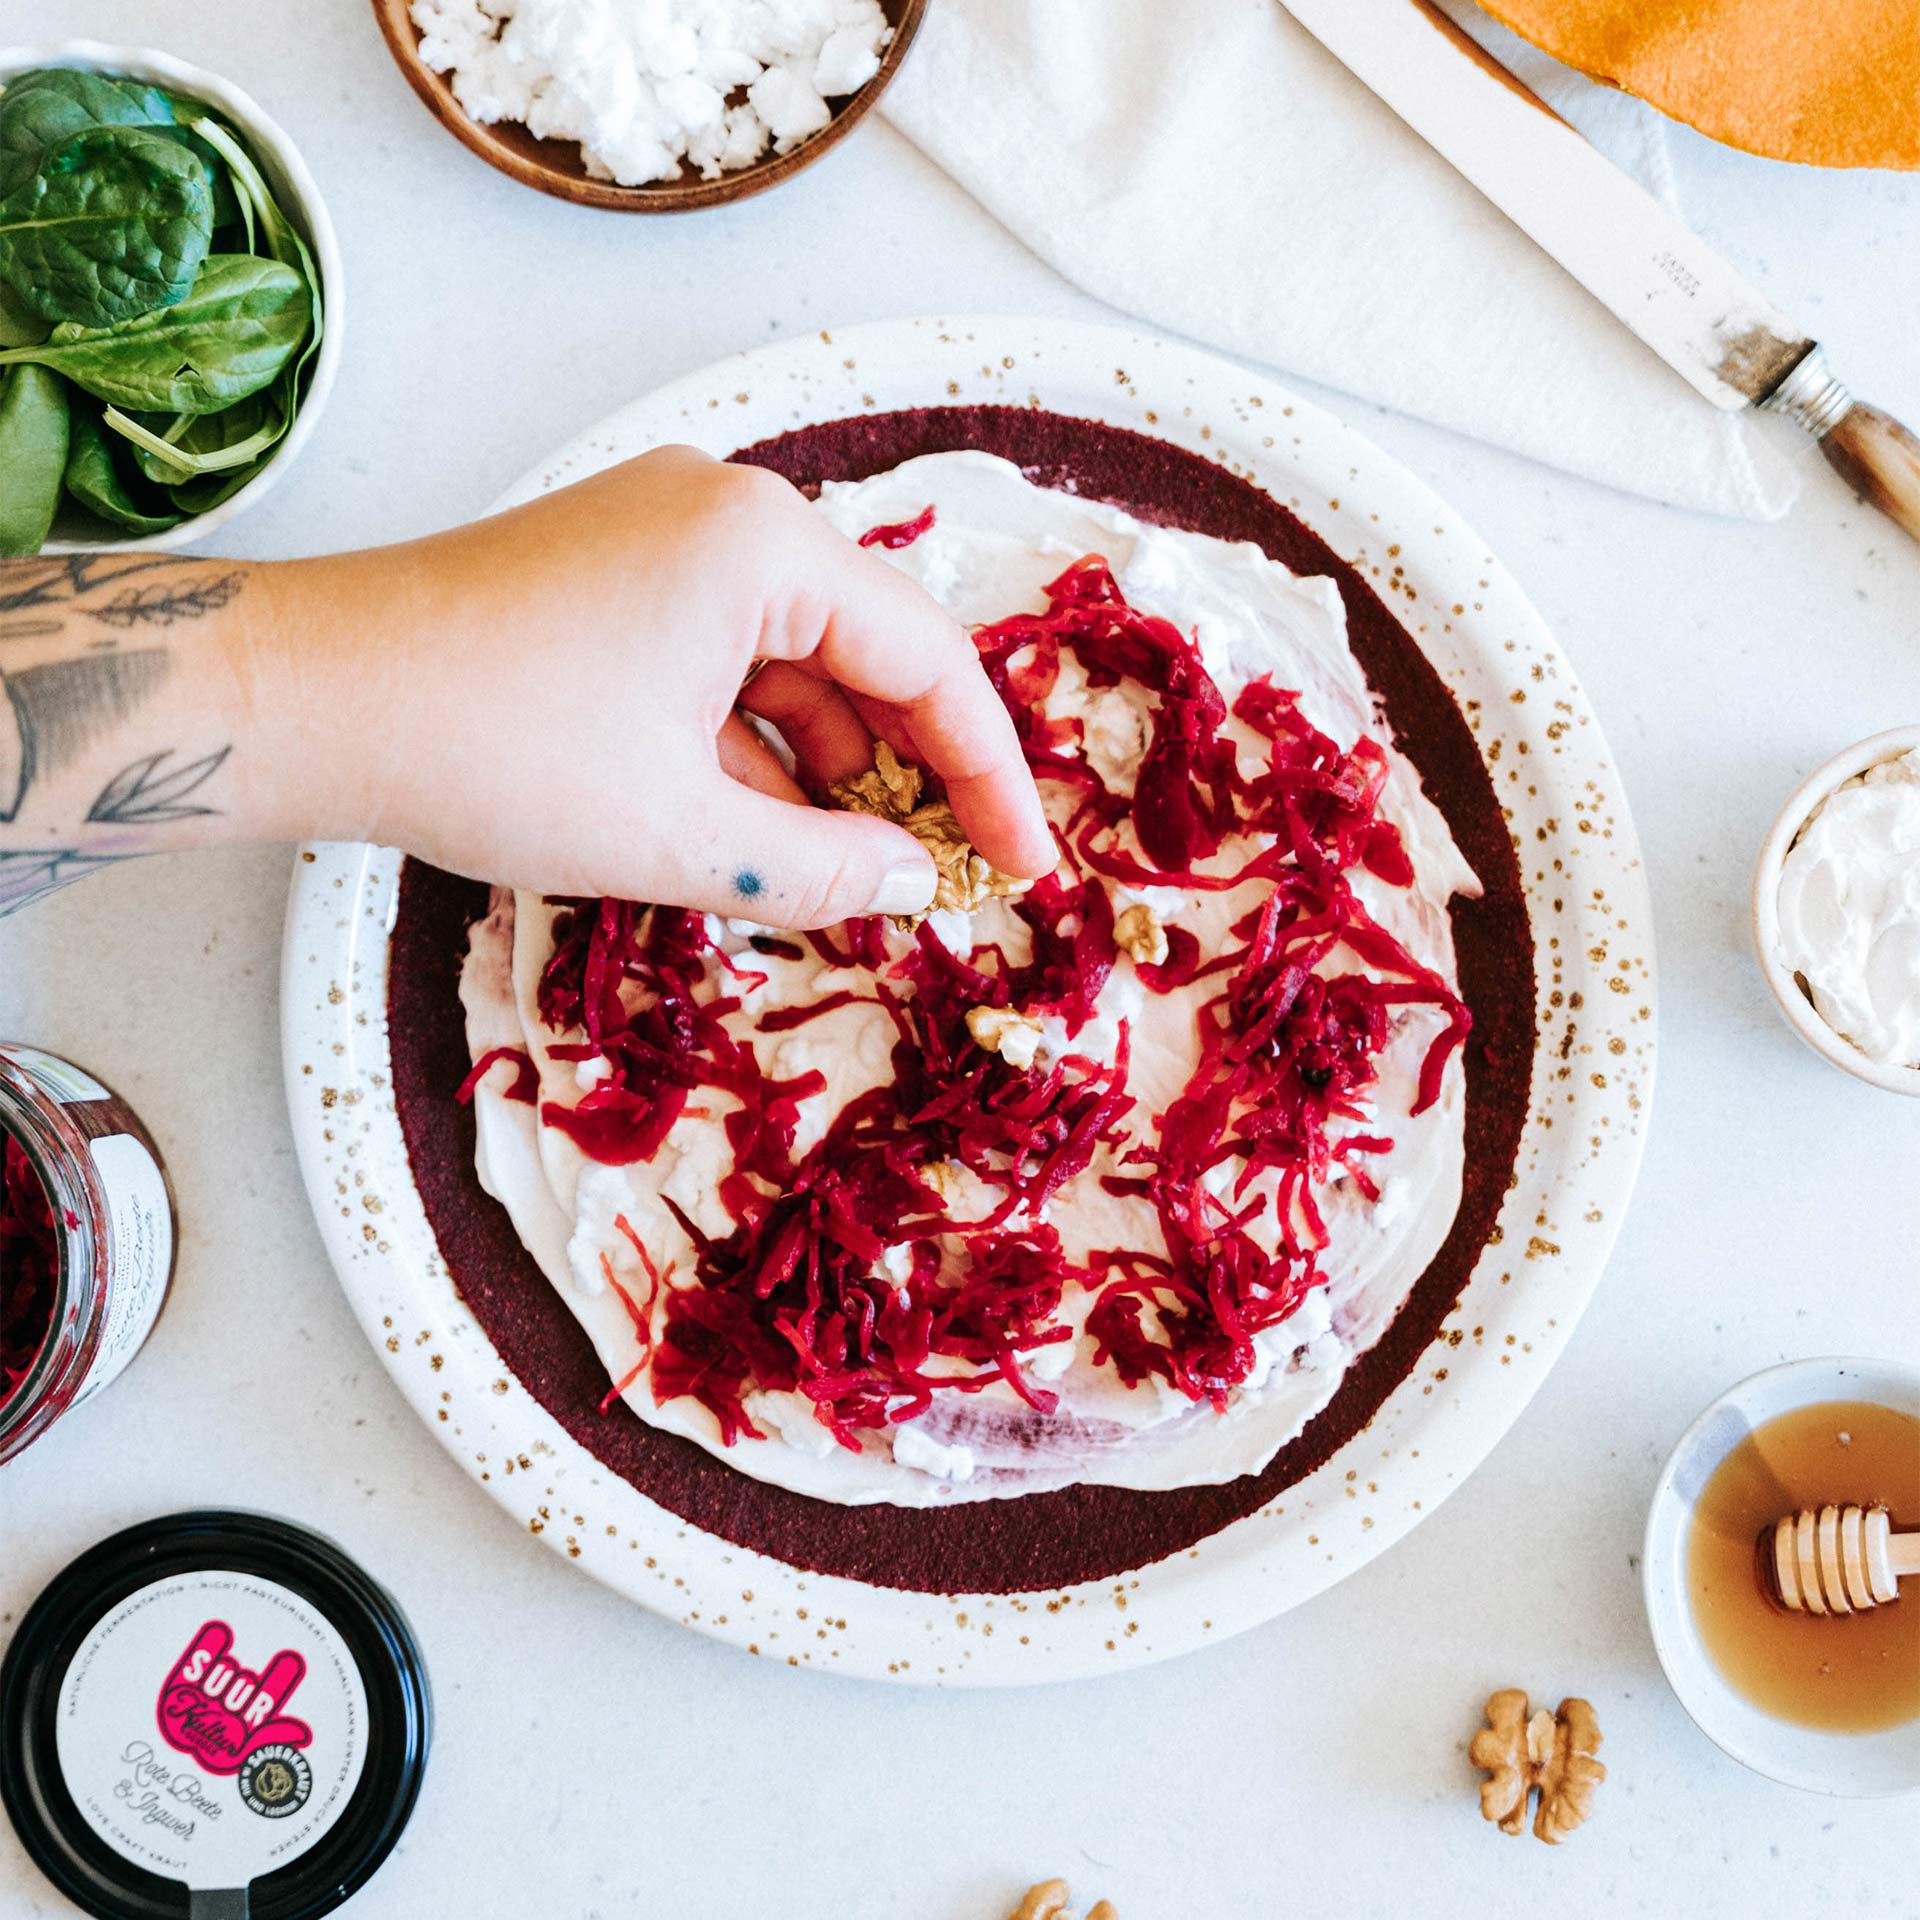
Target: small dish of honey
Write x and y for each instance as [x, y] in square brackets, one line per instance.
[1830, 1703]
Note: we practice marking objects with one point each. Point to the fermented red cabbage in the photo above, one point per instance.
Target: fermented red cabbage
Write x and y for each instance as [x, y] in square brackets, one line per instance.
[842, 1278]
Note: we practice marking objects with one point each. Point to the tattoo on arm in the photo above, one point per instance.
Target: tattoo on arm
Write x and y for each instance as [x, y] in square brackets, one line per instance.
[70, 592]
[83, 689]
[151, 790]
[56, 711]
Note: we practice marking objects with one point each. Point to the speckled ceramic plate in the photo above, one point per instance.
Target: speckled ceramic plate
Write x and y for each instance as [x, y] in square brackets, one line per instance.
[1593, 1076]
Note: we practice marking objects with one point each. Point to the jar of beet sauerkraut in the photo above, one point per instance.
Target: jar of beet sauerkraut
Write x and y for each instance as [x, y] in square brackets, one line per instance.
[87, 1235]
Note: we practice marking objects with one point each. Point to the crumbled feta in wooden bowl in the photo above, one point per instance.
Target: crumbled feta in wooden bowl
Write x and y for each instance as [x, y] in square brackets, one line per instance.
[652, 88]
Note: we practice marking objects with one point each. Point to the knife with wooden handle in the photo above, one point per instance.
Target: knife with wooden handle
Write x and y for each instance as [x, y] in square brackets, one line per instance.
[1720, 334]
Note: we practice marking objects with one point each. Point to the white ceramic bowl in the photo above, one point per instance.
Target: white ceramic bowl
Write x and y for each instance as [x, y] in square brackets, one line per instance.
[299, 197]
[1586, 895]
[1801, 1014]
[1854, 1765]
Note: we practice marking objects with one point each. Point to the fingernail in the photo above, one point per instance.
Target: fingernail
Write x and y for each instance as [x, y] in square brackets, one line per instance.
[907, 888]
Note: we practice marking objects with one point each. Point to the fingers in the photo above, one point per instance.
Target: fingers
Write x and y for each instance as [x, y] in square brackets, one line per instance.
[829, 740]
[883, 636]
[735, 850]
[745, 757]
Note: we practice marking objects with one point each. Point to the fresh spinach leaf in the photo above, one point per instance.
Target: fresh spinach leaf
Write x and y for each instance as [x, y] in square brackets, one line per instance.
[226, 203]
[19, 327]
[33, 456]
[95, 482]
[284, 242]
[240, 326]
[209, 490]
[42, 110]
[189, 445]
[115, 223]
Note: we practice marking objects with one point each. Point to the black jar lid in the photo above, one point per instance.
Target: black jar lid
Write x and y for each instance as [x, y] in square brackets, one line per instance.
[221, 1699]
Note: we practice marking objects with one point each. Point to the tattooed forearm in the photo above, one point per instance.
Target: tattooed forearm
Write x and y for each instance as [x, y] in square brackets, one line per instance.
[55, 711]
[104, 704]
[117, 591]
[153, 789]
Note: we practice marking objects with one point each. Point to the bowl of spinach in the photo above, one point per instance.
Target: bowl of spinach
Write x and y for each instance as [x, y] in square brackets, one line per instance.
[170, 300]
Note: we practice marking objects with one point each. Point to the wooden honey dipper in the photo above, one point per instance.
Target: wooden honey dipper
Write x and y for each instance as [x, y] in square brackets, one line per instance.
[1837, 1559]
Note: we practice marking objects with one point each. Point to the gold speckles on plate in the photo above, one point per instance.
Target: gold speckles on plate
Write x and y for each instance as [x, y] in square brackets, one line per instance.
[1593, 1075]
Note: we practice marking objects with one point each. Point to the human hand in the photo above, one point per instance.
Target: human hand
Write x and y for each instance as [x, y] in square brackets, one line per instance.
[547, 699]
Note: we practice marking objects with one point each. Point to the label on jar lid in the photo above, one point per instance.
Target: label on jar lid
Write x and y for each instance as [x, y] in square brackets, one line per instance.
[212, 1727]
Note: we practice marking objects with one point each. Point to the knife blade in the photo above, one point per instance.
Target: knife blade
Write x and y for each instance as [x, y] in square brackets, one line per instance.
[1652, 272]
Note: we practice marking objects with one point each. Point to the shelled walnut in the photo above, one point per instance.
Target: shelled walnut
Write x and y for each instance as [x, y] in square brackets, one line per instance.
[890, 790]
[1015, 1037]
[1138, 934]
[1048, 1901]
[1550, 1753]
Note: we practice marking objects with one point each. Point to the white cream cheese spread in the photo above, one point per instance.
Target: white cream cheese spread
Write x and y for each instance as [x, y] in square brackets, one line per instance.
[995, 543]
[1849, 903]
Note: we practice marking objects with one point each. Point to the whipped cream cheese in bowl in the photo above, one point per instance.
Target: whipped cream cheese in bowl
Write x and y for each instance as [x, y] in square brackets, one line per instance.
[1836, 910]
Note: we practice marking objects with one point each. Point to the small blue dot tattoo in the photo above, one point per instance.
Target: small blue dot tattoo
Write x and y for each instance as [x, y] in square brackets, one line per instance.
[747, 883]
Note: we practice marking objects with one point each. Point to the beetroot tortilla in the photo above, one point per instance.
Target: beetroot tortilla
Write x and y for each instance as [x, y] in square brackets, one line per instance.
[1044, 1540]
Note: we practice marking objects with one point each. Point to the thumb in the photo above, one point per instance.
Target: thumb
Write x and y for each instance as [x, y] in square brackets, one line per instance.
[755, 856]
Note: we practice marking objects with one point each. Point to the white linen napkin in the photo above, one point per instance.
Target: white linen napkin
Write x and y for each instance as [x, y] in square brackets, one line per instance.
[1208, 166]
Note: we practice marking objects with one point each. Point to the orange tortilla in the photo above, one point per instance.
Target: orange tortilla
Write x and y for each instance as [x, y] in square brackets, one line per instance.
[1834, 83]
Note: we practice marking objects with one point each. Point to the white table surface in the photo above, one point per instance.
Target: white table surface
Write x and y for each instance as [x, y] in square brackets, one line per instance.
[591, 1760]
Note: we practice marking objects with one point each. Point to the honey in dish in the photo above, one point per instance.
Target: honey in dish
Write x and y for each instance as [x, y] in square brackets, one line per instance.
[1844, 1674]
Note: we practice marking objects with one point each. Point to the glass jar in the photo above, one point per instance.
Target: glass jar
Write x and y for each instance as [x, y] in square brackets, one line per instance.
[113, 1230]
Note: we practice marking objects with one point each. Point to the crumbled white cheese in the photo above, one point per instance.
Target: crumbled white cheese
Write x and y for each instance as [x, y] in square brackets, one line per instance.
[645, 85]
[791, 1416]
[912, 1448]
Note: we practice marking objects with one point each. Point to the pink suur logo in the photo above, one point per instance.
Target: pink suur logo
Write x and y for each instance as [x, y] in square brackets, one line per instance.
[219, 1711]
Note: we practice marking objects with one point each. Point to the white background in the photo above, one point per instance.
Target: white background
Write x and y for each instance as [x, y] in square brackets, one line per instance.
[592, 1760]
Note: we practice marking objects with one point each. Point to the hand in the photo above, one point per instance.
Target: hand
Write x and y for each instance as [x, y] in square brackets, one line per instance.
[548, 698]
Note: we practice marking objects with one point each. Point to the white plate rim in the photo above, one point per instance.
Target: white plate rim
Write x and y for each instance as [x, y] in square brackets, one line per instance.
[1580, 1152]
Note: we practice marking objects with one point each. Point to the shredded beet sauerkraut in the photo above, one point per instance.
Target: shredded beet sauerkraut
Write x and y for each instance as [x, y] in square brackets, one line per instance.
[844, 1279]
[29, 1265]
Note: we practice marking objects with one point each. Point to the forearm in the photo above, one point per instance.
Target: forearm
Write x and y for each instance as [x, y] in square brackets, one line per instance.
[149, 703]
[549, 699]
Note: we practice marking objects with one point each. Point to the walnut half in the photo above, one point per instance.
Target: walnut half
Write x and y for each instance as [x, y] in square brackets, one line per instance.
[1550, 1753]
[1015, 1037]
[1138, 934]
[890, 790]
[1048, 1901]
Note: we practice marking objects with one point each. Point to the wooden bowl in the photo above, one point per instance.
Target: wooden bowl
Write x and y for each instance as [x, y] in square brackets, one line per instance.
[555, 166]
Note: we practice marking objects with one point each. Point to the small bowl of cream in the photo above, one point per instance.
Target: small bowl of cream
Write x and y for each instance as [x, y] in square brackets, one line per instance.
[1836, 910]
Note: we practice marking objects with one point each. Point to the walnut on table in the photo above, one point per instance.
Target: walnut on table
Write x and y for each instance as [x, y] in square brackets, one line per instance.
[1548, 1753]
[890, 790]
[1048, 1901]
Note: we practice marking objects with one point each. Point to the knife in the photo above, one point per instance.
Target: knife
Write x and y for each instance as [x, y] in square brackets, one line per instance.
[1721, 335]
